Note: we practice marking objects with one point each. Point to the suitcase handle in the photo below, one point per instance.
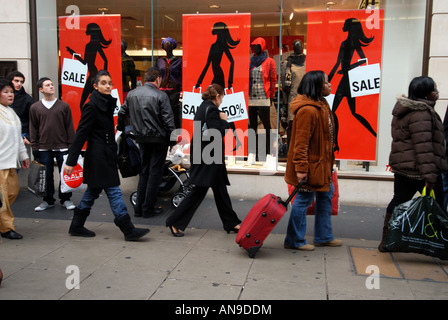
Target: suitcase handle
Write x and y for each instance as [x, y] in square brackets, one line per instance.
[292, 195]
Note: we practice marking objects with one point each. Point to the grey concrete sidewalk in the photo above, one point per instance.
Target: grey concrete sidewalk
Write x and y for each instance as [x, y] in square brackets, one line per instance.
[206, 264]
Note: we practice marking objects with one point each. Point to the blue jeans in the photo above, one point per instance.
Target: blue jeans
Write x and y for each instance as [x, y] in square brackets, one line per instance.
[47, 158]
[113, 194]
[295, 235]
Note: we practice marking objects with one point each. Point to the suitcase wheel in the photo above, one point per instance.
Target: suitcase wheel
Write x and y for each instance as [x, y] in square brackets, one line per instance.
[253, 251]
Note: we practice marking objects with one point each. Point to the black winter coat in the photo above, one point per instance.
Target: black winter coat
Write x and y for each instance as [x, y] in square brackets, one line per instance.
[21, 105]
[96, 127]
[202, 172]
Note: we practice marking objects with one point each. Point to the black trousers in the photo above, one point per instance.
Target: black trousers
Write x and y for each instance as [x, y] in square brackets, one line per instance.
[265, 116]
[405, 188]
[182, 215]
[153, 164]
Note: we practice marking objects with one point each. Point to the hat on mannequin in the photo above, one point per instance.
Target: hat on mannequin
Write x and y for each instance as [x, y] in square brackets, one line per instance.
[173, 42]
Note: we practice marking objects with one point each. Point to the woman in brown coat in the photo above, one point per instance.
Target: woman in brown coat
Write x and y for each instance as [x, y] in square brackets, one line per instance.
[417, 157]
[310, 159]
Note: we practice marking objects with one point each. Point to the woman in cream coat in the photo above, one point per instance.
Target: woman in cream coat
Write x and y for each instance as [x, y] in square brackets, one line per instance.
[12, 153]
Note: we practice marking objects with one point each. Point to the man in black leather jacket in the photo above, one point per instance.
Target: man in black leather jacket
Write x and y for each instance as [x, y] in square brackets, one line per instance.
[152, 122]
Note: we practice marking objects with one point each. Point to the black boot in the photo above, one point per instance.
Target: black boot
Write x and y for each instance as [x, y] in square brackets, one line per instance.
[130, 232]
[381, 247]
[77, 226]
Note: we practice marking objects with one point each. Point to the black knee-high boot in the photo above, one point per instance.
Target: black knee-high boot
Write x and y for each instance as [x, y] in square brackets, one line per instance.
[130, 232]
[77, 226]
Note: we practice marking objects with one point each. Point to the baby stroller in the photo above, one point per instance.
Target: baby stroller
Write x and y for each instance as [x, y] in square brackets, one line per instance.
[173, 172]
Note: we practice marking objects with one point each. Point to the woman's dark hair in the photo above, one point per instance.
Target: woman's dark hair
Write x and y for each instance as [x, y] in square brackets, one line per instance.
[312, 84]
[223, 34]
[212, 92]
[354, 28]
[421, 87]
[99, 75]
[94, 30]
[5, 83]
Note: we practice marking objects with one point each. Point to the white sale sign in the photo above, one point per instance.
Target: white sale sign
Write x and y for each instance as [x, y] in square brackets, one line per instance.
[365, 80]
[74, 73]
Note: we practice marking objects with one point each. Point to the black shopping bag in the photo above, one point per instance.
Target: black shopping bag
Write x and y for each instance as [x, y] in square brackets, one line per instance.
[129, 161]
[37, 179]
[419, 226]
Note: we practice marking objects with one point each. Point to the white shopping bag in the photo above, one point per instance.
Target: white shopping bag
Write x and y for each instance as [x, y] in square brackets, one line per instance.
[234, 105]
[74, 73]
[190, 103]
[74, 182]
[365, 80]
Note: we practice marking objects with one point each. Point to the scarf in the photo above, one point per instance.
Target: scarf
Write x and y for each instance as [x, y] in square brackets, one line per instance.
[256, 61]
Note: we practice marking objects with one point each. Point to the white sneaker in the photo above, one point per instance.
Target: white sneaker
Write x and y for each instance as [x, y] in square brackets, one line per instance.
[69, 205]
[43, 206]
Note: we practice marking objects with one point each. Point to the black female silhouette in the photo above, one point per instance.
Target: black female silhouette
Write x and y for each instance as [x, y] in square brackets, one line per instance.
[224, 43]
[97, 44]
[354, 42]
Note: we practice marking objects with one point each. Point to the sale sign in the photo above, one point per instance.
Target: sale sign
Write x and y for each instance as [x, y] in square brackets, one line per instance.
[216, 50]
[347, 46]
[88, 44]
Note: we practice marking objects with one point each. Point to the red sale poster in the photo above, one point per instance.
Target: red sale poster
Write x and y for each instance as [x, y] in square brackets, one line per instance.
[88, 44]
[216, 50]
[347, 46]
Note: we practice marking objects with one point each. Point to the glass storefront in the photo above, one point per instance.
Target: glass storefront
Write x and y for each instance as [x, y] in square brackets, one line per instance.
[299, 36]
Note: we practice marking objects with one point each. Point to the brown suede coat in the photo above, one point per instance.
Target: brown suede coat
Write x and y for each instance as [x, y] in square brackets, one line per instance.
[418, 145]
[311, 148]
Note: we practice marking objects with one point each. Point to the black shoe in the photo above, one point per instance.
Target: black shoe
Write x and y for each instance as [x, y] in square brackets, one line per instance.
[12, 235]
[176, 234]
[153, 213]
[137, 214]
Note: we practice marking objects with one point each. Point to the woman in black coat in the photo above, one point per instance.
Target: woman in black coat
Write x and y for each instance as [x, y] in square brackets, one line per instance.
[100, 171]
[208, 169]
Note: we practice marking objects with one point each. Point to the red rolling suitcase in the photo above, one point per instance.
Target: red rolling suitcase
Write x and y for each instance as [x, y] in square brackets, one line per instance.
[260, 221]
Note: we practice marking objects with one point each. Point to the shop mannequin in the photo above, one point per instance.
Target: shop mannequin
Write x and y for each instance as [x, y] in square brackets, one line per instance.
[262, 80]
[292, 72]
[128, 70]
[170, 68]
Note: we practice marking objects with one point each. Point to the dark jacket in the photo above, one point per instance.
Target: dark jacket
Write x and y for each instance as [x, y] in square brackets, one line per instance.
[150, 113]
[96, 127]
[202, 172]
[311, 148]
[418, 140]
[21, 105]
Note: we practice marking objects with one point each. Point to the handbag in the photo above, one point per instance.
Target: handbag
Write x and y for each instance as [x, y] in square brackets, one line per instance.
[419, 226]
[74, 73]
[365, 80]
[129, 159]
[37, 179]
[74, 182]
